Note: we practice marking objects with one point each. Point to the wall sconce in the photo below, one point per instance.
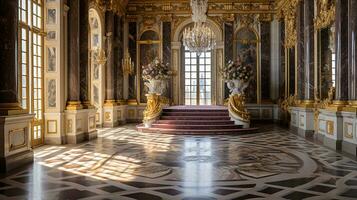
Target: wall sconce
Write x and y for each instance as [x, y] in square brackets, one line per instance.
[127, 64]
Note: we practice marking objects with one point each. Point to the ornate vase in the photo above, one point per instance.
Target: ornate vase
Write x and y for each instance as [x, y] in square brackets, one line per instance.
[236, 103]
[237, 86]
[155, 86]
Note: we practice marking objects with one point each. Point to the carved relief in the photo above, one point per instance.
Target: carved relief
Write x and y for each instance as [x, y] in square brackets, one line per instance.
[325, 16]
[17, 138]
[288, 12]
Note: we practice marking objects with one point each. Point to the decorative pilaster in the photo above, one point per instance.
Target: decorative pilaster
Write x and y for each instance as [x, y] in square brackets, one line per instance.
[15, 123]
[309, 51]
[300, 51]
[74, 102]
[109, 29]
[132, 37]
[352, 50]
[84, 53]
[341, 45]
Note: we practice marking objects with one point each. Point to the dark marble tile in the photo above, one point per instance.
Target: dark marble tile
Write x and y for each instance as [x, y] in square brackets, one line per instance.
[298, 195]
[3, 185]
[144, 185]
[270, 190]
[86, 181]
[12, 192]
[171, 192]
[70, 194]
[247, 196]
[293, 182]
[111, 189]
[143, 196]
[224, 191]
[350, 193]
[321, 188]
[60, 174]
[199, 198]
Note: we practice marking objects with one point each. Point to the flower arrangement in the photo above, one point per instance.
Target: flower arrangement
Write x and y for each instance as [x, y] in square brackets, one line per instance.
[156, 70]
[237, 71]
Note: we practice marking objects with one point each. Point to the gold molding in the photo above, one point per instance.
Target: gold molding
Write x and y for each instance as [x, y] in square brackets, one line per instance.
[48, 122]
[13, 131]
[74, 105]
[326, 13]
[347, 134]
[330, 127]
[288, 12]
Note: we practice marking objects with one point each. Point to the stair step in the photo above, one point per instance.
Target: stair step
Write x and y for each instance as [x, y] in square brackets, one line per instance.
[196, 127]
[195, 122]
[213, 113]
[238, 131]
[194, 110]
[195, 118]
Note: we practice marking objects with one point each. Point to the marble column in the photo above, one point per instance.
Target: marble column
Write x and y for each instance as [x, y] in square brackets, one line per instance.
[341, 45]
[8, 56]
[309, 51]
[109, 30]
[118, 57]
[84, 52]
[74, 56]
[352, 49]
[300, 51]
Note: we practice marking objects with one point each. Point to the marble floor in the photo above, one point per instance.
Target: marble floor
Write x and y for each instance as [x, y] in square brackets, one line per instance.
[125, 164]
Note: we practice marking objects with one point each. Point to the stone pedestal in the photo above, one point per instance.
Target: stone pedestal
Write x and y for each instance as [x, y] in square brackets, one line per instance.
[114, 115]
[15, 138]
[80, 125]
[302, 121]
[349, 139]
[55, 128]
[330, 125]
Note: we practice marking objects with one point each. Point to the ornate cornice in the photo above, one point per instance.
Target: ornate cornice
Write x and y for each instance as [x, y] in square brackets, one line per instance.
[117, 6]
[182, 7]
[287, 11]
[325, 16]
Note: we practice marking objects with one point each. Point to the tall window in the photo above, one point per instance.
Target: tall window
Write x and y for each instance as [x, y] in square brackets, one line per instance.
[31, 62]
[198, 78]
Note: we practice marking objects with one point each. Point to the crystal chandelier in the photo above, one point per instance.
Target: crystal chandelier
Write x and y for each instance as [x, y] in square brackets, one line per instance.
[200, 38]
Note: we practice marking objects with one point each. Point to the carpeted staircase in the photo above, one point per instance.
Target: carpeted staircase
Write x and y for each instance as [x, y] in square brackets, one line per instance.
[195, 120]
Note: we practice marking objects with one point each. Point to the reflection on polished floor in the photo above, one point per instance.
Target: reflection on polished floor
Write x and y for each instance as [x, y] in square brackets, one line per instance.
[125, 164]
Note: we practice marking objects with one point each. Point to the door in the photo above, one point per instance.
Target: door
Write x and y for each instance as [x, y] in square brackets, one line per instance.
[198, 78]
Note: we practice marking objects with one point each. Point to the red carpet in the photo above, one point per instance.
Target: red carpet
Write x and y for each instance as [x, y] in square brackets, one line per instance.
[195, 120]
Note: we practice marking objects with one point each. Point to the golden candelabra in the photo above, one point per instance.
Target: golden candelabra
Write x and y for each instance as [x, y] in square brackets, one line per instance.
[127, 64]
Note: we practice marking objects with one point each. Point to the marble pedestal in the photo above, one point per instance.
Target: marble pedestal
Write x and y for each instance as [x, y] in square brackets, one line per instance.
[80, 125]
[330, 125]
[302, 121]
[349, 132]
[15, 141]
[114, 115]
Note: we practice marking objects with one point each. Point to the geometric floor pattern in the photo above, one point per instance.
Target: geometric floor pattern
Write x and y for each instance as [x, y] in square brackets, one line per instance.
[125, 164]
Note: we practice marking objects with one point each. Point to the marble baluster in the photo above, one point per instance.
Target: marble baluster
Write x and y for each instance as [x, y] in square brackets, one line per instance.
[309, 51]
[74, 56]
[84, 52]
[109, 28]
[352, 49]
[8, 56]
[341, 45]
[300, 51]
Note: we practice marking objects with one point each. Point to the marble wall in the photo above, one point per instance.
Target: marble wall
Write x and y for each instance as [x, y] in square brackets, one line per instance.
[265, 60]
[132, 51]
[228, 47]
[166, 54]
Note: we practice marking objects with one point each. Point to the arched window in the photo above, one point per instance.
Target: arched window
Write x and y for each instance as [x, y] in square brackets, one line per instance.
[31, 62]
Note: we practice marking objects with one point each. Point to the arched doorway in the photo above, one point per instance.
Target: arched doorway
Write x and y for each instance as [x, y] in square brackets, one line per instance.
[198, 77]
[96, 66]
[197, 74]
